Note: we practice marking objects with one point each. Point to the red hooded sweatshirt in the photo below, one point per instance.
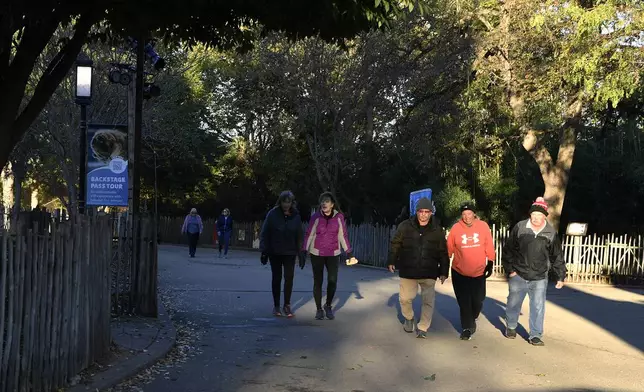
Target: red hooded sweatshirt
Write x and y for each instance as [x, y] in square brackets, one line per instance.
[471, 247]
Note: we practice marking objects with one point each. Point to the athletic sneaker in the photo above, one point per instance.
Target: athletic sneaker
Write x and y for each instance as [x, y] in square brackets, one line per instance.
[287, 311]
[536, 342]
[421, 334]
[319, 315]
[408, 326]
[466, 334]
[510, 333]
[277, 312]
[329, 312]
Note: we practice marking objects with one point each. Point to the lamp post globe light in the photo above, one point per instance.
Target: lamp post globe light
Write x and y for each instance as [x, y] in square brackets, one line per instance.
[84, 74]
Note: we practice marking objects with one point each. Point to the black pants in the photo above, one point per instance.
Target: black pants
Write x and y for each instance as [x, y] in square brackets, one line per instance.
[318, 263]
[193, 239]
[279, 262]
[470, 294]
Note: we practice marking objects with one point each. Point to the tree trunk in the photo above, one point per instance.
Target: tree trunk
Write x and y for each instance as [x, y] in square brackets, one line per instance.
[556, 175]
[7, 187]
[19, 172]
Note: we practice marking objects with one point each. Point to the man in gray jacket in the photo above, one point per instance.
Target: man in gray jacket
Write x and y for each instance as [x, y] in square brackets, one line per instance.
[532, 249]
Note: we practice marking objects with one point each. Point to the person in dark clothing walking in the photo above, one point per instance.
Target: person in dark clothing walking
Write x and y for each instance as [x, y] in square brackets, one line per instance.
[531, 250]
[325, 238]
[193, 227]
[470, 242]
[280, 241]
[224, 231]
[419, 252]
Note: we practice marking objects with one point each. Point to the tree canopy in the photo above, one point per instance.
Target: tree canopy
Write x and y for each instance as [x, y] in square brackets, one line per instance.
[499, 102]
[26, 31]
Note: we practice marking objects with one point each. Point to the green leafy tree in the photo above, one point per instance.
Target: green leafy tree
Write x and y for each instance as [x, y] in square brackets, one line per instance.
[553, 62]
[26, 31]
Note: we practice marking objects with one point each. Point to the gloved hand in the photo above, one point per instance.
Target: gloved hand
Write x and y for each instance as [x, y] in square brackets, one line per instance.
[264, 258]
[488, 268]
[302, 259]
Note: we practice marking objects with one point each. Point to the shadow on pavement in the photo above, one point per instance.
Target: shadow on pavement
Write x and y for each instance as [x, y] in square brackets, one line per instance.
[442, 307]
[561, 390]
[494, 311]
[621, 318]
[244, 349]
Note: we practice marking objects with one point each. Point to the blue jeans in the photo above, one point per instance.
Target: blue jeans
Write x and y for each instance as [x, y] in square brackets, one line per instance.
[536, 290]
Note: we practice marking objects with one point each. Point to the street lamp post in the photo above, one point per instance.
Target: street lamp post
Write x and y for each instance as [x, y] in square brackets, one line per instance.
[83, 98]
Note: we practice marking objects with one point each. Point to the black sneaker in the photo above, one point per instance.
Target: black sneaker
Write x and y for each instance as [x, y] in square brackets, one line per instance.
[421, 334]
[319, 315]
[536, 342]
[277, 312]
[466, 334]
[329, 312]
[510, 333]
[287, 311]
[408, 326]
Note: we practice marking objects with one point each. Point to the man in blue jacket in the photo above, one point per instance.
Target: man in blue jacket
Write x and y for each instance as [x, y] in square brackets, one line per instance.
[224, 231]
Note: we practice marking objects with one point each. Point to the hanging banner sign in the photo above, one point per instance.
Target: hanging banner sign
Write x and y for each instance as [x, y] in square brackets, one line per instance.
[107, 179]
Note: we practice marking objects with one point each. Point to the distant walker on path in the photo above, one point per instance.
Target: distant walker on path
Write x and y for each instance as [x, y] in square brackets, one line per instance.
[193, 227]
[224, 231]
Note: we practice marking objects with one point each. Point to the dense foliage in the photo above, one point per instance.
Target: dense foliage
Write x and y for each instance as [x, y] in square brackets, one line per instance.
[499, 102]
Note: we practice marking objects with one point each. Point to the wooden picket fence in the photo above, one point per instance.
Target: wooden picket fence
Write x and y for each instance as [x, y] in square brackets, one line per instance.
[605, 259]
[134, 266]
[54, 303]
[608, 259]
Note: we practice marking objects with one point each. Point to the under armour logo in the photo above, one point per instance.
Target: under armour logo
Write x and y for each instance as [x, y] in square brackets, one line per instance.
[474, 238]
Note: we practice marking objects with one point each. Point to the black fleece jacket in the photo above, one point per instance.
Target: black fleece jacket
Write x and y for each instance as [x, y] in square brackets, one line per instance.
[419, 252]
[281, 234]
[532, 255]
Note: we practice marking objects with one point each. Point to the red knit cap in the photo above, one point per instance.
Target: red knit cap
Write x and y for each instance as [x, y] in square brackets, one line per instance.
[539, 205]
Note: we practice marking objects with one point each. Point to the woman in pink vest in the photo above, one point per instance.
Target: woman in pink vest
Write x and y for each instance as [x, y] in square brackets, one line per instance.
[325, 238]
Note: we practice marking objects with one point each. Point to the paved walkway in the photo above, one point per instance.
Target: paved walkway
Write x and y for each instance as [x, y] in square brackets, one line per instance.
[594, 338]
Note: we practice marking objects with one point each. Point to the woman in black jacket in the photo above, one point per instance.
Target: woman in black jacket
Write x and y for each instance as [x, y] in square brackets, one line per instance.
[280, 242]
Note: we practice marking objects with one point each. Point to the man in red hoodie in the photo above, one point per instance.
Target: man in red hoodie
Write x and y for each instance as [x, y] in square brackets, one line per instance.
[470, 242]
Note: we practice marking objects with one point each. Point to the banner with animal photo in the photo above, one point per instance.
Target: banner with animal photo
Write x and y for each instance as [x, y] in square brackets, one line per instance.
[107, 179]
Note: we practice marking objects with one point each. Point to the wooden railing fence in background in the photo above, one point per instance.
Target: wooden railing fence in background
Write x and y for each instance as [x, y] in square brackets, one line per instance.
[245, 234]
[54, 303]
[606, 259]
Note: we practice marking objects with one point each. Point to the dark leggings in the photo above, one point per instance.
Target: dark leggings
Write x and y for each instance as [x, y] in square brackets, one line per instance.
[193, 240]
[288, 264]
[318, 263]
[470, 294]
